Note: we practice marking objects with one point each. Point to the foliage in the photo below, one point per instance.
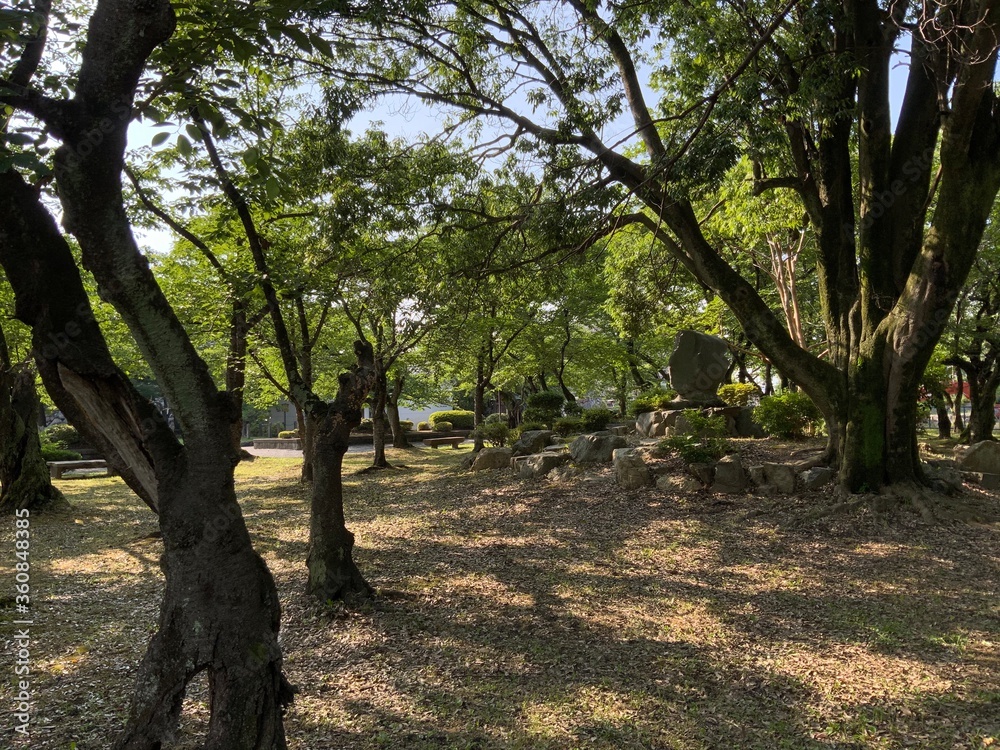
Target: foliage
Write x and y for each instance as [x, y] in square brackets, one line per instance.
[62, 435]
[423, 426]
[789, 415]
[443, 425]
[529, 426]
[496, 417]
[572, 409]
[696, 450]
[651, 400]
[288, 434]
[596, 418]
[544, 406]
[538, 416]
[366, 426]
[567, 426]
[738, 394]
[459, 418]
[703, 425]
[495, 433]
[406, 425]
[52, 452]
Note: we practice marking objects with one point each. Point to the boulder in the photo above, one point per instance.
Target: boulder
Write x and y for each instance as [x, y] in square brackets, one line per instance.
[745, 426]
[704, 473]
[596, 447]
[944, 475]
[816, 477]
[678, 483]
[492, 458]
[532, 441]
[630, 470]
[774, 478]
[983, 457]
[986, 481]
[698, 365]
[645, 423]
[564, 473]
[533, 467]
[729, 474]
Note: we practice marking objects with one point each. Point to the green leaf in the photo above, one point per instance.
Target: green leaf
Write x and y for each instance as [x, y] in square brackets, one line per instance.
[159, 138]
[183, 146]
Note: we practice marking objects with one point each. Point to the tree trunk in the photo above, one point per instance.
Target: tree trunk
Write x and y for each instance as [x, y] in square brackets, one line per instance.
[24, 475]
[944, 420]
[479, 406]
[379, 420]
[307, 440]
[392, 406]
[957, 401]
[982, 397]
[332, 572]
[236, 361]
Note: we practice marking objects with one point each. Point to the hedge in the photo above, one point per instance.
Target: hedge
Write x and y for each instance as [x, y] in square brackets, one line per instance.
[460, 419]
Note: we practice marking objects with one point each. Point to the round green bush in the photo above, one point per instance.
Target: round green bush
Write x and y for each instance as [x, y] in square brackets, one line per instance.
[596, 418]
[423, 426]
[790, 415]
[496, 417]
[366, 426]
[61, 434]
[406, 425]
[652, 399]
[494, 433]
[288, 434]
[459, 418]
[443, 425]
[567, 426]
[529, 426]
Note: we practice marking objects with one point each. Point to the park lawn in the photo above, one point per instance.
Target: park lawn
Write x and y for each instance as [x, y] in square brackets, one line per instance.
[530, 615]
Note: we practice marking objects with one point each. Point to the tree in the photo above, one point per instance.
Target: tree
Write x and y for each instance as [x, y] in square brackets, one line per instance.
[24, 475]
[207, 547]
[805, 95]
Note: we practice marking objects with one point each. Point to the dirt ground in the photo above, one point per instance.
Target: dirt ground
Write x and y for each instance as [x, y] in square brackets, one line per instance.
[517, 614]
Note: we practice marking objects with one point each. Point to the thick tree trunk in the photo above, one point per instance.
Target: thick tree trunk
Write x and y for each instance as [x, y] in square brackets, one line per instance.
[957, 401]
[24, 475]
[982, 418]
[332, 572]
[220, 614]
[236, 360]
[943, 418]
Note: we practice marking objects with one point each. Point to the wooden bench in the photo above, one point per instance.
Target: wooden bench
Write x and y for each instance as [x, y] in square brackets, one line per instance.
[56, 468]
[454, 442]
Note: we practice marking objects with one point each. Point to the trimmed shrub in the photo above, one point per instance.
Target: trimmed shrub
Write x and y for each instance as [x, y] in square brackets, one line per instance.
[288, 434]
[459, 418]
[567, 425]
[738, 394]
[424, 426]
[366, 426]
[62, 435]
[790, 415]
[492, 418]
[405, 425]
[572, 409]
[528, 426]
[544, 406]
[443, 426]
[651, 400]
[596, 418]
[495, 433]
[695, 450]
[52, 452]
[538, 416]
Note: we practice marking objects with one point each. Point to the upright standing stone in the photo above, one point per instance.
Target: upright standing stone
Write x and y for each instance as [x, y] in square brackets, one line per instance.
[698, 366]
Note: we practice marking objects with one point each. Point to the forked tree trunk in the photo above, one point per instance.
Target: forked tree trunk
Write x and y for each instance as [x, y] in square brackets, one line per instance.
[24, 475]
[220, 615]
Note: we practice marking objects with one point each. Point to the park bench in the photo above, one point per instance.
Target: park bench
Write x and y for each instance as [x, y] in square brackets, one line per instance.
[56, 468]
[454, 442]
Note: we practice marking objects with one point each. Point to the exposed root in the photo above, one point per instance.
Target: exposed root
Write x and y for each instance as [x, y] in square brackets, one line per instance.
[373, 468]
